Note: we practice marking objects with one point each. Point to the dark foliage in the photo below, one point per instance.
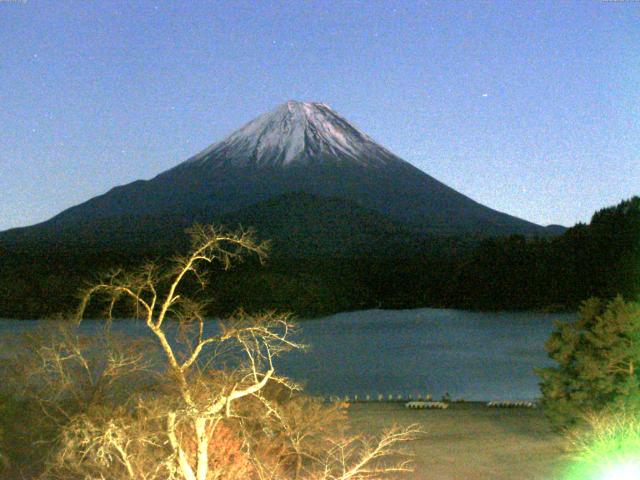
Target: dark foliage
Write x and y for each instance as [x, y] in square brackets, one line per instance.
[598, 357]
[352, 259]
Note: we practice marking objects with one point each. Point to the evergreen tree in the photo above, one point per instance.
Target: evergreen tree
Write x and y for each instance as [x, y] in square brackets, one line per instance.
[598, 359]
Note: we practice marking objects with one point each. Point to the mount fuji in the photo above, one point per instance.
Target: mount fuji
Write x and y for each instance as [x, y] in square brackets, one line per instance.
[299, 149]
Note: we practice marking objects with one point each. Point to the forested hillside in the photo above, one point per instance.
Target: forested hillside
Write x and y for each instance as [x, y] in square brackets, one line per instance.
[601, 258]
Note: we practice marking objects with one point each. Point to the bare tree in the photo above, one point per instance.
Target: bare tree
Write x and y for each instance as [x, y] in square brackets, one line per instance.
[219, 409]
[56, 376]
[203, 404]
[358, 458]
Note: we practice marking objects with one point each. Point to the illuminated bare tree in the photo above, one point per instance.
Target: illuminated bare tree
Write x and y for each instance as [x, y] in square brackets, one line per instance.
[357, 458]
[260, 339]
[219, 410]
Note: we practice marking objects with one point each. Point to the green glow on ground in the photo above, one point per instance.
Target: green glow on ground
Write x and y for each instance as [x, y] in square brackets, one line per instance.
[608, 470]
[609, 450]
[625, 471]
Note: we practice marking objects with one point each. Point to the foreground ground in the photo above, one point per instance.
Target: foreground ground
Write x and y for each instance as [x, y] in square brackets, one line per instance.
[469, 441]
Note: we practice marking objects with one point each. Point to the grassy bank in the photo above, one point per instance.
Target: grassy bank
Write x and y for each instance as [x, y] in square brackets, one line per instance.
[469, 441]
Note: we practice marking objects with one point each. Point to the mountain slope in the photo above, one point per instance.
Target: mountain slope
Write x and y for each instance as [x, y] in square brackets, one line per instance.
[297, 224]
[299, 147]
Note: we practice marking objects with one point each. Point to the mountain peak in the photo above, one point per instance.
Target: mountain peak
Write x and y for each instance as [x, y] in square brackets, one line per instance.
[305, 108]
[298, 147]
[298, 103]
[295, 133]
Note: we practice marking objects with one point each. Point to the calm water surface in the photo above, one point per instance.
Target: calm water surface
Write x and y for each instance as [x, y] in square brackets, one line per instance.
[471, 355]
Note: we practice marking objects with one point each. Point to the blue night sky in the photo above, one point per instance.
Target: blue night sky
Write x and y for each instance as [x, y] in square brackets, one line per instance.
[531, 108]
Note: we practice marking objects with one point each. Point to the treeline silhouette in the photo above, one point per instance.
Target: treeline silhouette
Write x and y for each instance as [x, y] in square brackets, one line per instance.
[601, 259]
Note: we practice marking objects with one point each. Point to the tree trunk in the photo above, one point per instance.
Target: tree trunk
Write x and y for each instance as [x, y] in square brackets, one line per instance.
[203, 448]
[183, 462]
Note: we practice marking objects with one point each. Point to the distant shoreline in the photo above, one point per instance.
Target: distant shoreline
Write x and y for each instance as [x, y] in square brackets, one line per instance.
[561, 309]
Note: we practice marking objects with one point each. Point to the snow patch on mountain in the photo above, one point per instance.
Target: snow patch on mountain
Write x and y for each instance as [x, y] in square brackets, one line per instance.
[296, 132]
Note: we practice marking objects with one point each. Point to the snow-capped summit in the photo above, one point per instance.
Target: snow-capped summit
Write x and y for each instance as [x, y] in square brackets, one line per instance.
[299, 148]
[295, 133]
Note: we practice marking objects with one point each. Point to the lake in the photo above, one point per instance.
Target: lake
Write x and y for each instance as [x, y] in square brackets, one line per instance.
[470, 355]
